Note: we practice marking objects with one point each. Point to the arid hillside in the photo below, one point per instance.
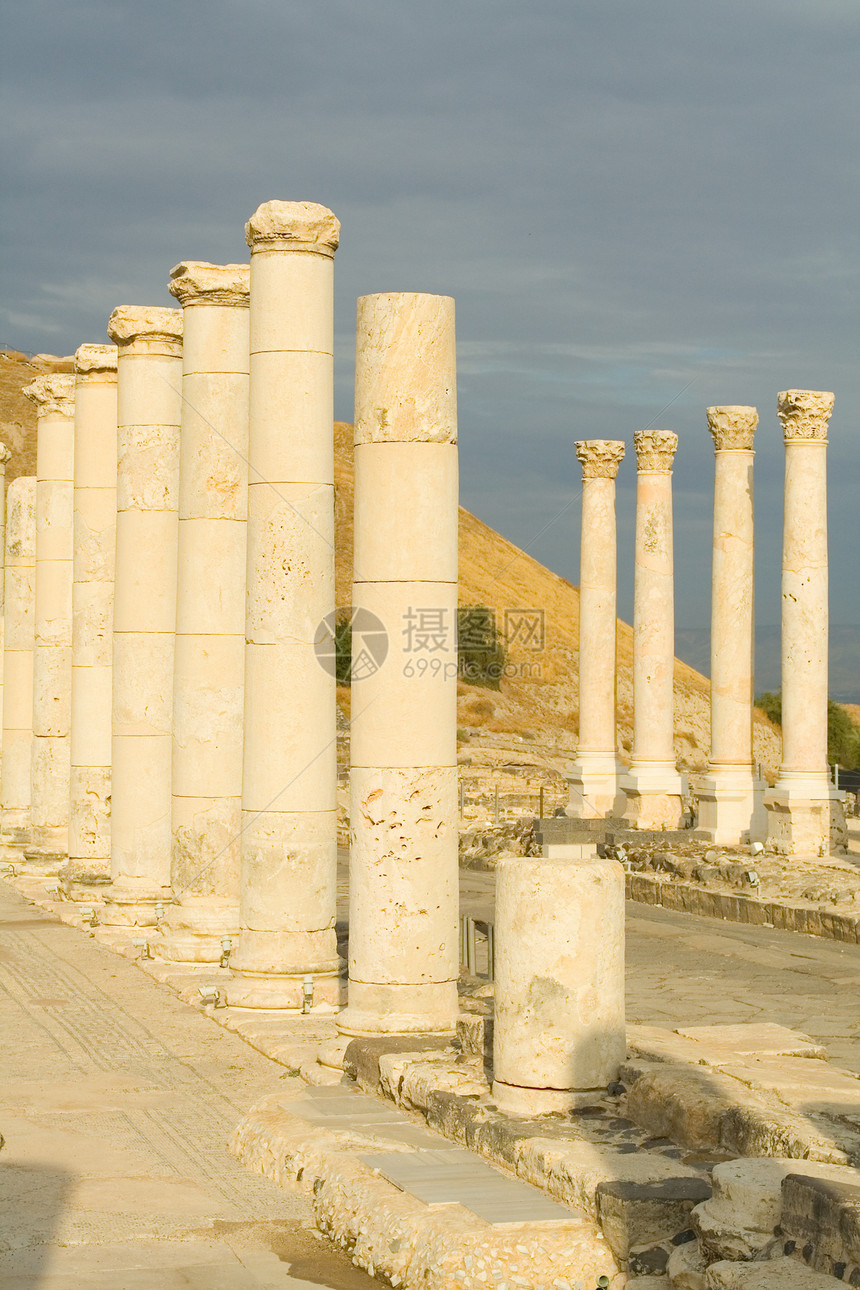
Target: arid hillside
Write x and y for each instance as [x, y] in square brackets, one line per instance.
[531, 722]
[525, 731]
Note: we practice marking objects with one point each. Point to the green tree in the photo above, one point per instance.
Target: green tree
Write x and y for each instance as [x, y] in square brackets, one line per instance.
[771, 705]
[843, 736]
[343, 649]
[480, 653]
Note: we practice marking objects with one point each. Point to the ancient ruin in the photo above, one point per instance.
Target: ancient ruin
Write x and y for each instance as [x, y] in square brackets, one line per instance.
[467, 1101]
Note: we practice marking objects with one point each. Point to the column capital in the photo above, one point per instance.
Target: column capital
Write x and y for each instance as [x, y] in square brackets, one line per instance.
[5, 454]
[195, 282]
[655, 450]
[804, 414]
[155, 324]
[293, 226]
[600, 458]
[96, 360]
[53, 394]
[732, 427]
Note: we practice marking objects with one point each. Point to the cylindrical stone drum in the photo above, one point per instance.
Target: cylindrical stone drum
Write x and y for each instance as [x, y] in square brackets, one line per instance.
[559, 982]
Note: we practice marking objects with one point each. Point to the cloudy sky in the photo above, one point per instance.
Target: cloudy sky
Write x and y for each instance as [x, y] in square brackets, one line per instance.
[641, 209]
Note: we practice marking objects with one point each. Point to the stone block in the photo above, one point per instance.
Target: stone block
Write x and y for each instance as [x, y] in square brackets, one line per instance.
[823, 1215]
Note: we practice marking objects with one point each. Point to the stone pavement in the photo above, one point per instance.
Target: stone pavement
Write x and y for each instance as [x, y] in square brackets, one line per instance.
[116, 1104]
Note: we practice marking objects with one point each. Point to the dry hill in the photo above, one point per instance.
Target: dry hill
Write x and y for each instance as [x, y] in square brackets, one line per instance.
[532, 720]
[526, 731]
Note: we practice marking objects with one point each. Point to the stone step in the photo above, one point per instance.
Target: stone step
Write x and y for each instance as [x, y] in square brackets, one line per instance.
[414, 1210]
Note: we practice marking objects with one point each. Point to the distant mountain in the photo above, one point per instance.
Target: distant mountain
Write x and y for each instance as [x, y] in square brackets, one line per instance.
[693, 645]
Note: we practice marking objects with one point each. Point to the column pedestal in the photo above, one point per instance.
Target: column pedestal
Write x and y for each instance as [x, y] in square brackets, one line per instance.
[731, 806]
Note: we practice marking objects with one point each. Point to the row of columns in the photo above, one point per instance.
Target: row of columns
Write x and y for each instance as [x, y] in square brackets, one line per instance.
[803, 809]
[170, 730]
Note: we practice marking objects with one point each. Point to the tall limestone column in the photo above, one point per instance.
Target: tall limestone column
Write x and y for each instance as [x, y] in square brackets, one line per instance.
[92, 620]
[403, 915]
[20, 586]
[289, 838]
[594, 784]
[805, 816]
[731, 799]
[149, 397]
[653, 785]
[52, 656]
[209, 673]
[5, 454]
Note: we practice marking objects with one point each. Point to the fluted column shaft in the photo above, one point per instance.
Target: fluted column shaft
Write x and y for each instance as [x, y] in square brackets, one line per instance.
[209, 674]
[594, 790]
[805, 815]
[653, 785]
[731, 808]
[403, 951]
[289, 837]
[52, 657]
[149, 380]
[92, 618]
[20, 585]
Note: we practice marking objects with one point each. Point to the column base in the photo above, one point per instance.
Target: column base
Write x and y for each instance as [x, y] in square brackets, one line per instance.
[43, 861]
[135, 906]
[195, 928]
[280, 990]
[594, 787]
[270, 968]
[654, 791]
[429, 1008]
[805, 815]
[85, 880]
[16, 828]
[731, 806]
[533, 1102]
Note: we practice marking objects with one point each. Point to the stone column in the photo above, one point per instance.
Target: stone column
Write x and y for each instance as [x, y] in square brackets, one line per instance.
[289, 837]
[209, 674]
[403, 949]
[149, 380]
[52, 655]
[653, 785]
[559, 1036]
[594, 785]
[20, 586]
[805, 815]
[731, 799]
[92, 620]
[5, 454]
